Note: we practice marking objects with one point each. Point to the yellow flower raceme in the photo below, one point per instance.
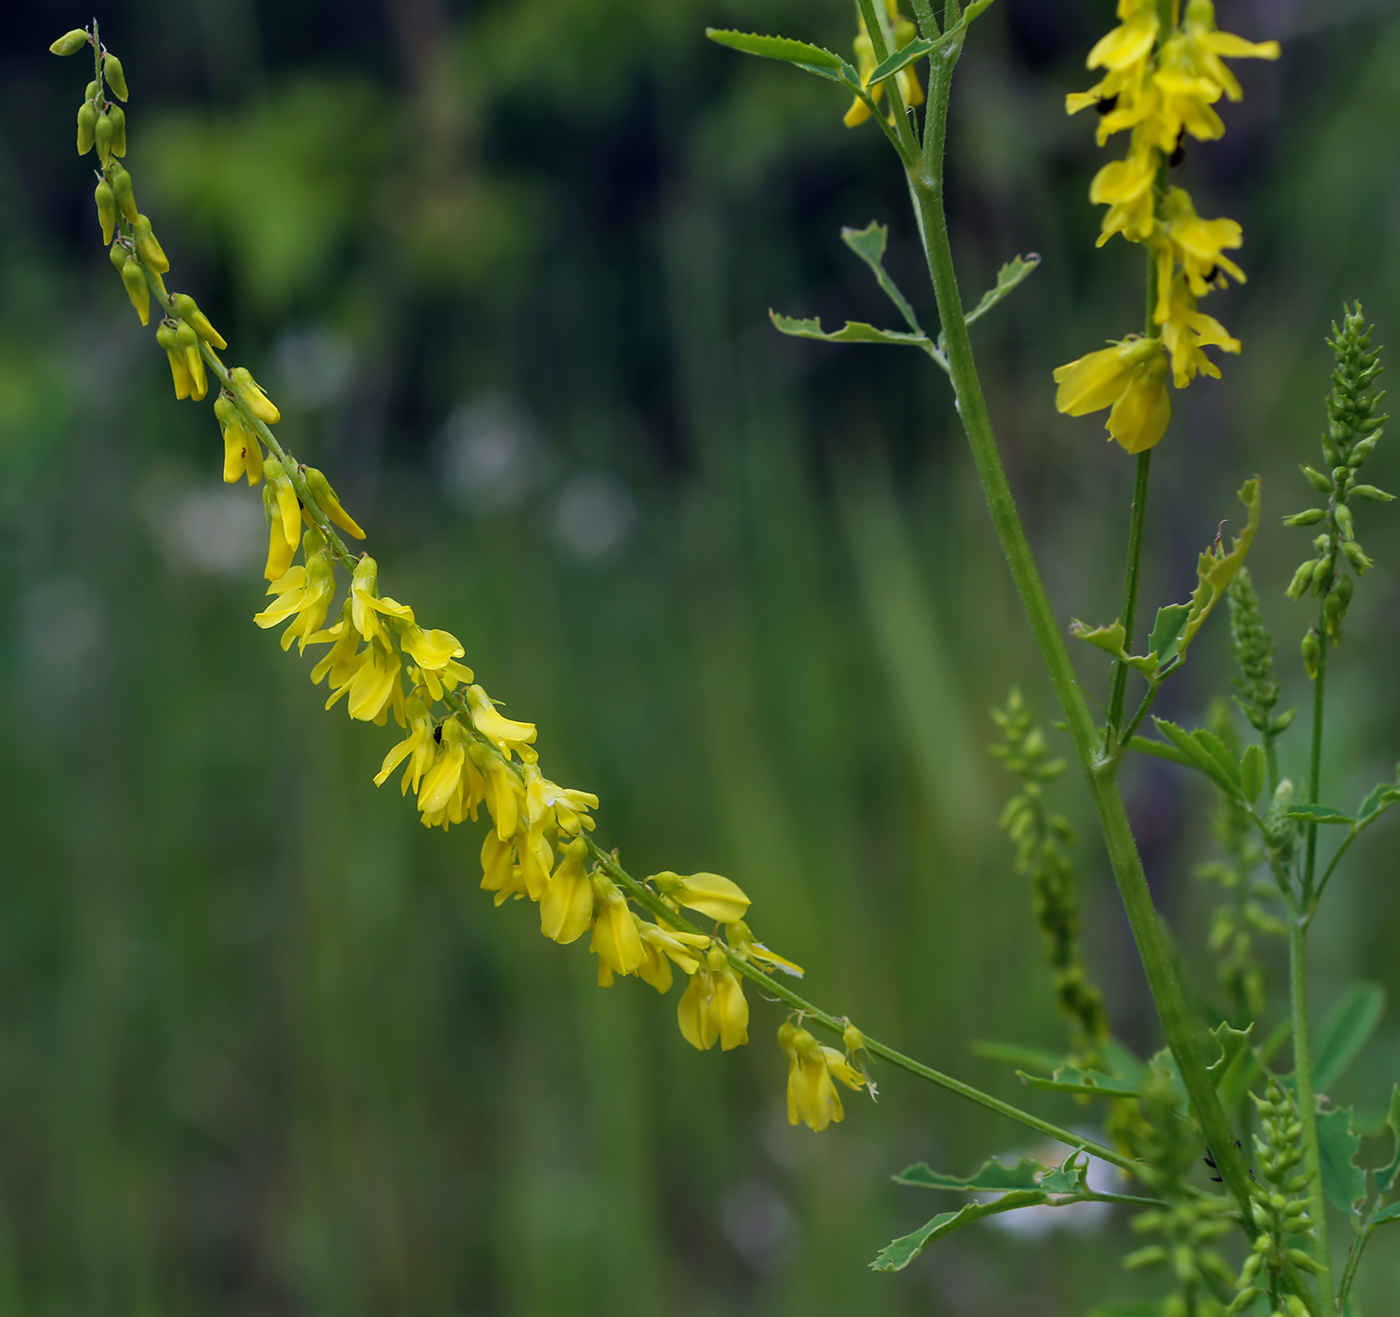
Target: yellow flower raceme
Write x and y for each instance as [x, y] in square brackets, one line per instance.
[903, 32]
[1129, 378]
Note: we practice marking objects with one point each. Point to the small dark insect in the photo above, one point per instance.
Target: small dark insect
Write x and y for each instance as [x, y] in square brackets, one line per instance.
[1107, 105]
[437, 733]
[1178, 155]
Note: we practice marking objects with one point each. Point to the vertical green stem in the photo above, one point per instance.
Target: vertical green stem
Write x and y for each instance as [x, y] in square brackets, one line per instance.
[1315, 768]
[1307, 1103]
[926, 187]
[1130, 591]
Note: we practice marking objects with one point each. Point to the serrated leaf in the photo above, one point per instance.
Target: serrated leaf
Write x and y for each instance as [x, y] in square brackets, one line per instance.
[898, 1254]
[1385, 1175]
[991, 1176]
[1069, 1177]
[1320, 814]
[854, 332]
[1107, 638]
[1233, 1042]
[1017, 269]
[1236, 1067]
[1195, 751]
[1215, 748]
[1252, 766]
[1348, 1029]
[901, 59]
[1069, 1080]
[869, 244]
[1343, 1181]
[813, 59]
[1166, 631]
[1013, 1054]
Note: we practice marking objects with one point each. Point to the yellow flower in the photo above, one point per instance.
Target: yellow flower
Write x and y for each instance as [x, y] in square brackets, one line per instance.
[434, 652]
[254, 399]
[566, 908]
[419, 747]
[1131, 41]
[706, 892]
[374, 688]
[664, 945]
[1129, 378]
[713, 1007]
[742, 944]
[451, 786]
[617, 942]
[1186, 98]
[167, 337]
[242, 451]
[322, 492]
[811, 1096]
[366, 605]
[903, 32]
[1199, 247]
[1186, 331]
[283, 510]
[303, 591]
[339, 661]
[1206, 46]
[1125, 187]
[502, 732]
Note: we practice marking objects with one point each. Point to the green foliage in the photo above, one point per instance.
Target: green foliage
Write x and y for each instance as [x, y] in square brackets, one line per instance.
[1346, 1031]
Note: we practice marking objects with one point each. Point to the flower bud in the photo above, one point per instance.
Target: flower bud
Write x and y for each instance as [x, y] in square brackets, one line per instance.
[87, 126]
[168, 337]
[1322, 576]
[1373, 494]
[136, 287]
[1342, 513]
[106, 210]
[103, 131]
[118, 117]
[189, 311]
[1316, 479]
[242, 451]
[1357, 558]
[1154, 1255]
[115, 75]
[148, 246]
[1312, 653]
[1302, 578]
[70, 43]
[121, 189]
[1308, 518]
[1363, 449]
[90, 92]
[322, 492]
[194, 362]
[254, 399]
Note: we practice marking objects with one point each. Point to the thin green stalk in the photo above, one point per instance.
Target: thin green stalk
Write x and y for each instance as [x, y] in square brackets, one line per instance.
[1130, 593]
[1307, 1103]
[926, 187]
[1315, 768]
[645, 897]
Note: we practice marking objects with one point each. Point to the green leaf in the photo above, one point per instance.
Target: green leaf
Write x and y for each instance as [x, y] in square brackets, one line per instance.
[1013, 1054]
[1252, 772]
[1343, 1181]
[1069, 1177]
[1224, 760]
[991, 1176]
[1385, 1175]
[1347, 1030]
[1195, 750]
[869, 244]
[1069, 1080]
[1320, 814]
[1166, 631]
[813, 59]
[1128, 1310]
[1009, 276]
[854, 332]
[1391, 1213]
[900, 1253]
[1161, 750]
[1236, 1068]
[901, 59]
[1379, 799]
[1107, 638]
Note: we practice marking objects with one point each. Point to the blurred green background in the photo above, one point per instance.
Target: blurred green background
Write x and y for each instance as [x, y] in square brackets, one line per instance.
[264, 1048]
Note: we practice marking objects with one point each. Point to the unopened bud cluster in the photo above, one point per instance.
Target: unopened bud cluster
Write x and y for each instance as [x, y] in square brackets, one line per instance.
[460, 753]
[1353, 430]
[1253, 648]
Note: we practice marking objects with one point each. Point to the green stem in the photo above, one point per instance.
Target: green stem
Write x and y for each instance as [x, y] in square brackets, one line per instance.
[648, 899]
[926, 187]
[1130, 595]
[1307, 1103]
[1315, 768]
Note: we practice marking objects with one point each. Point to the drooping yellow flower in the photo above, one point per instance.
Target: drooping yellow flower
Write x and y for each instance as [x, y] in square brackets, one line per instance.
[451, 786]
[664, 945]
[742, 944]
[419, 747]
[1129, 378]
[283, 511]
[1187, 331]
[708, 893]
[903, 32]
[1126, 188]
[1197, 245]
[367, 606]
[1131, 41]
[713, 1007]
[322, 492]
[503, 732]
[617, 941]
[1207, 46]
[242, 451]
[811, 1096]
[566, 908]
[303, 594]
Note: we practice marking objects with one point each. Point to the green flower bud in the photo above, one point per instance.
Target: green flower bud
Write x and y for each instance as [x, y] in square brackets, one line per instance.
[1302, 578]
[118, 255]
[87, 126]
[1316, 479]
[103, 132]
[115, 75]
[1244, 1301]
[1344, 522]
[1330, 451]
[121, 189]
[1371, 492]
[1312, 653]
[90, 94]
[1309, 518]
[70, 43]
[149, 248]
[106, 210]
[1322, 575]
[118, 117]
[1357, 558]
[1154, 1255]
[188, 309]
[136, 288]
[1363, 449]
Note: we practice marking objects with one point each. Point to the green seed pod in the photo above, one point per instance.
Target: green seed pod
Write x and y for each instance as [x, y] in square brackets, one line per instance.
[103, 132]
[1308, 518]
[1312, 653]
[148, 246]
[1373, 494]
[137, 289]
[87, 126]
[121, 189]
[1342, 513]
[1357, 558]
[1302, 578]
[70, 43]
[115, 75]
[1316, 479]
[106, 210]
[118, 117]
